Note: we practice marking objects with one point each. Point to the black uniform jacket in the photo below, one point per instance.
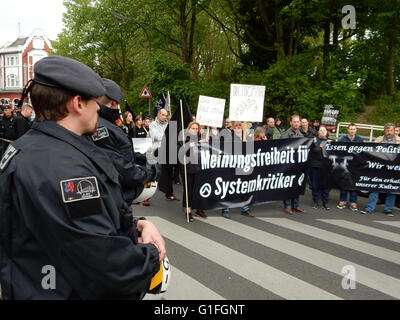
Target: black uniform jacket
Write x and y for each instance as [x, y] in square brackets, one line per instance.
[7, 127]
[132, 174]
[61, 206]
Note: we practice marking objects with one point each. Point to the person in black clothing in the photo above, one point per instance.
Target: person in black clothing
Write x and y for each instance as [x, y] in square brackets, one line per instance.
[134, 171]
[316, 124]
[139, 131]
[319, 192]
[7, 127]
[192, 157]
[306, 130]
[22, 121]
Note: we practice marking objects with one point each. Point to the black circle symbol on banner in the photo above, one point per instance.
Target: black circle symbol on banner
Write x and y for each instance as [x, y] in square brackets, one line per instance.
[301, 179]
[205, 190]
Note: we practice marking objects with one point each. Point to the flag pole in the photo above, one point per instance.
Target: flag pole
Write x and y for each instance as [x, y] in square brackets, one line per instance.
[184, 164]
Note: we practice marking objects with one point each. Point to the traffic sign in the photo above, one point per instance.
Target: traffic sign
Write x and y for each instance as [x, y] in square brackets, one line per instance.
[145, 93]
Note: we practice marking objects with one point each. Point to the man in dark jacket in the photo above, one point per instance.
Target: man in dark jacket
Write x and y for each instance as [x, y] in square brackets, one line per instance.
[65, 231]
[22, 121]
[344, 194]
[291, 205]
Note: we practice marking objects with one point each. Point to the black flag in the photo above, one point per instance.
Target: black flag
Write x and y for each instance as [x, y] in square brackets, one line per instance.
[160, 102]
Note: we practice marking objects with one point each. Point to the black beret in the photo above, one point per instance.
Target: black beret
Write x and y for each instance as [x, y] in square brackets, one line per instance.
[69, 74]
[113, 91]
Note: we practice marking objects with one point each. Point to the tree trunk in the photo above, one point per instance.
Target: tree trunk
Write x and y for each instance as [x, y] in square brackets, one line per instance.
[191, 35]
[335, 31]
[290, 51]
[392, 49]
[279, 44]
[327, 33]
[184, 35]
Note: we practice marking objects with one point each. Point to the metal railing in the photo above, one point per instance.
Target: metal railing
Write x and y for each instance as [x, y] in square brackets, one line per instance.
[371, 127]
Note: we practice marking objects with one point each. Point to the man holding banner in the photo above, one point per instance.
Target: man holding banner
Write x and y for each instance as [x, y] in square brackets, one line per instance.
[388, 137]
[291, 205]
[344, 194]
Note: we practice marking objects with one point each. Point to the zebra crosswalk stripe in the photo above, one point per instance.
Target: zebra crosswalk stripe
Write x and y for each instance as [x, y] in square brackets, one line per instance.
[368, 277]
[184, 287]
[390, 223]
[361, 246]
[272, 279]
[387, 235]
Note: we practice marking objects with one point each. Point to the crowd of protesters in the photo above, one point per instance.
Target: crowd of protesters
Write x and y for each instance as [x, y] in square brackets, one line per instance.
[270, 129]
[14, 123]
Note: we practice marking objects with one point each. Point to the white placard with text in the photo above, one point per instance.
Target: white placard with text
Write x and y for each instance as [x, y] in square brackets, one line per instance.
[246, 103]
[210, 111]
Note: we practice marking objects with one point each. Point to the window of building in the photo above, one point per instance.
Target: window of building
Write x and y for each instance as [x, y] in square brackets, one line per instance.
[12, 80]
[12, 61]
[4, 101]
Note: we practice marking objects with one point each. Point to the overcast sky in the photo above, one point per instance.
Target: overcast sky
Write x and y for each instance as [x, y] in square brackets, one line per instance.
[31, 14]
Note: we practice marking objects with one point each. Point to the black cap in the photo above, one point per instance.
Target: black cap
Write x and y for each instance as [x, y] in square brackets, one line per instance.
[113, 91]
[69, 74]
[317, 120]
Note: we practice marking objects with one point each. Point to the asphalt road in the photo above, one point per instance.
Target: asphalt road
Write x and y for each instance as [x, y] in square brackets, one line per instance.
[336, 254]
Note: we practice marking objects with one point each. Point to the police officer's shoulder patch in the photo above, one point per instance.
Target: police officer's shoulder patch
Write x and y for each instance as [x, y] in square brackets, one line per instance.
[101, 133]
[79, 189]
[10, 152]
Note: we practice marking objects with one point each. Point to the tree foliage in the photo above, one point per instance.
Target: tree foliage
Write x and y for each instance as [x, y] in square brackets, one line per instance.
[298, 49]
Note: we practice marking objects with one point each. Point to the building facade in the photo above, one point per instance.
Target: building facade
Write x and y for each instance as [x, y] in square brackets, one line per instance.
[16, 64]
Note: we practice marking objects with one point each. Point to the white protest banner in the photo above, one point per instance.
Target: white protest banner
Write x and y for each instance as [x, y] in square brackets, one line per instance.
[141, 145]
[210, 111]
[246, 103]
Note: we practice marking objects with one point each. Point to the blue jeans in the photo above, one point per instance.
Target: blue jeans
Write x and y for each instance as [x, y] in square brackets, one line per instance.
[373, 199]
[291, 203]
[344, 194]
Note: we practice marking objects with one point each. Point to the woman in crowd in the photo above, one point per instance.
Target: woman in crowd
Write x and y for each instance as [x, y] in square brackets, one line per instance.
[237, 136]
[279, 125]
[139, 131]
[128, 125]
[320, 194]
[192, 155]
[259, 134]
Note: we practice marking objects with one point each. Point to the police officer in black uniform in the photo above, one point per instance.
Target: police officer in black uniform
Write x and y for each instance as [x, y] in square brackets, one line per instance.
[133, 167]
[7, 127]
[65, 230]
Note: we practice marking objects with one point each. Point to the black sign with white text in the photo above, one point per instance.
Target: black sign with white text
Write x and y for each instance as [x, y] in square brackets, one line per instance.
[363, 166]
[272, 170]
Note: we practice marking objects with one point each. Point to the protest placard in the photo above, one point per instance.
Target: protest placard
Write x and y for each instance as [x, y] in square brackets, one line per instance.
[210, 111]
[246, 103]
